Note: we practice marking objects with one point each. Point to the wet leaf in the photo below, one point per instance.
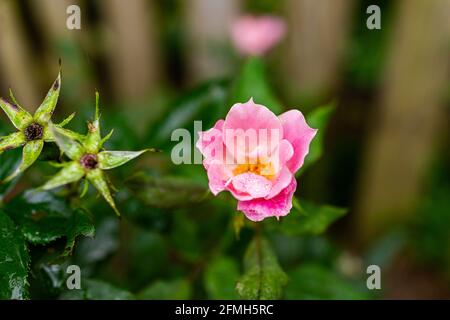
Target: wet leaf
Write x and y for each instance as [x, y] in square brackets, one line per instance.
[43, 218]
[263, 278]
[14, 261]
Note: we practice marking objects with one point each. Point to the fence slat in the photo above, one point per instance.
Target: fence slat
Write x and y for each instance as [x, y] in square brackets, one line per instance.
[410, 110]
[15, 57]
[134, 58]
[316, 39]
[208, 26]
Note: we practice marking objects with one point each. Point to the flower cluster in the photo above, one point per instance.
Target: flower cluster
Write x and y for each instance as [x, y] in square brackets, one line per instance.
[87, 157]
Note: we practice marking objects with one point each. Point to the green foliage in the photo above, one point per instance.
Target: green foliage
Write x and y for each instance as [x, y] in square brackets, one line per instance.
[313, 281]
[167, 192]
[97, 290]
[263, 278]
[207, 103]
[220, 278]
[14, 261]
[176, 289]
[44, 218]
[310, 219]
[252, 83]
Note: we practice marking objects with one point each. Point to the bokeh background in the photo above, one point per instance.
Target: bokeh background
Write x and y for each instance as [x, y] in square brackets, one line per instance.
[386, 156]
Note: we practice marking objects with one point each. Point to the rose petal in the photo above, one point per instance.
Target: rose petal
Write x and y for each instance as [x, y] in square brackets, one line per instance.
[251, 128]
[259, 209]
[252, 184]
[299, 134]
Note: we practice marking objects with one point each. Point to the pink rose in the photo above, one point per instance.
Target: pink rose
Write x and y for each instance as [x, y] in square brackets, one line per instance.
[254, 155]
[255, 36]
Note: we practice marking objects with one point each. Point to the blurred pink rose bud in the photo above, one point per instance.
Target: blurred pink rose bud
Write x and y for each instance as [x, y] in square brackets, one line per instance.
[255, 35]
[254, 155]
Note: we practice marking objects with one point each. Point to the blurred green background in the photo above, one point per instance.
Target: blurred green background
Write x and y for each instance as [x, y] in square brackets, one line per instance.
[161, 64]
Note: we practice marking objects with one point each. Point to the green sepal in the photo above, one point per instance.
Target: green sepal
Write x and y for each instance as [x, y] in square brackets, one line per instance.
[31, 152]
[48, 136]
[72, 172]
[18, 116]
[113, 159]
[47, 107]
[98, 180]
[67, 120]
[106, 138]
[12, 141]
[93, 141]
[66, 143]
[85, 188]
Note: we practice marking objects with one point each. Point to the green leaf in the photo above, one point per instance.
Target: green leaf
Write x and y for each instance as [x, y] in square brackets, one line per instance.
[11, 141]
[167, 192]
[220, 279]
[97, 290]
[79, 224]
[310, 219]
[14, 261]
[252, 83]
[317, 119]
[98, 180]
[176, 289]
[47, 107]
[66, 143]
[31, 152]
[263, 278]
[71, 172]
[43, 218]
[313, 281]
[18, 116]
[113, 159]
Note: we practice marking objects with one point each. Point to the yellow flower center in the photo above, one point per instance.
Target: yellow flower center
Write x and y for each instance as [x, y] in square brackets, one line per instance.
[260, 168]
